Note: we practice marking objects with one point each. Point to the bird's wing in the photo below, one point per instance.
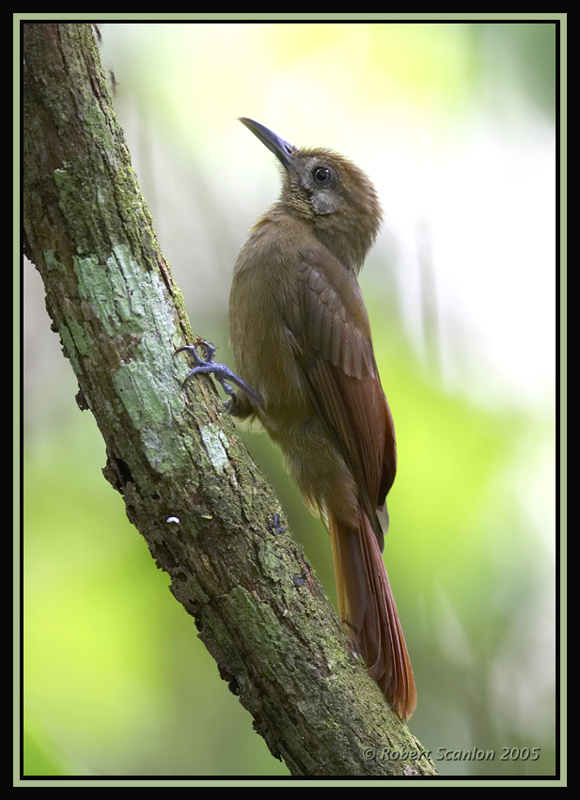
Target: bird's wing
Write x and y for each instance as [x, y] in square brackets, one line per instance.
[329, 321]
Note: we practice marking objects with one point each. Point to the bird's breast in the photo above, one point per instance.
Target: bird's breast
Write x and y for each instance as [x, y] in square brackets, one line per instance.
[264, 284]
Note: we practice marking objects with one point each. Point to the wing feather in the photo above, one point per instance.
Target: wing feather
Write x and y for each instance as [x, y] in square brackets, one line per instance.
[332, 330]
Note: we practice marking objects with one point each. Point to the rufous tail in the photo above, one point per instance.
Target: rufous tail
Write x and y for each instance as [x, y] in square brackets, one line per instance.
[368, 610]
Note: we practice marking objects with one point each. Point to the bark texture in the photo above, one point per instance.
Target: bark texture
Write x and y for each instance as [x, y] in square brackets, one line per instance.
[210, 519]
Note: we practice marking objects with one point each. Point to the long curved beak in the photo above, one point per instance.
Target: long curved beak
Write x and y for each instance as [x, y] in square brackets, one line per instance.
[282, 149]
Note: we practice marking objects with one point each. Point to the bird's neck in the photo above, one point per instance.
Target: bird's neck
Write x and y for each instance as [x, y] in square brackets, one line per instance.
[349, 239]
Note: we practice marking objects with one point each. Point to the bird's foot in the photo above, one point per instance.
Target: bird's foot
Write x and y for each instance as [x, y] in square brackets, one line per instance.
[220, 372]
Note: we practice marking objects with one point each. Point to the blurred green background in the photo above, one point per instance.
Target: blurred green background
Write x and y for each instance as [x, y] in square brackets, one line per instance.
[455, 124]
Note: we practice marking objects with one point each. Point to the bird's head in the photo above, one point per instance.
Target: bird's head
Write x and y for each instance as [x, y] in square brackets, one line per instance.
[330, 192]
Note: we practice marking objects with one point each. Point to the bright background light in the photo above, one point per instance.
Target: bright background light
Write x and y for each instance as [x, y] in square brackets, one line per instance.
[455, 123]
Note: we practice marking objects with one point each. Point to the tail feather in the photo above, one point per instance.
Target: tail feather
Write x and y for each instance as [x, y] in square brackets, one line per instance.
[368, 610]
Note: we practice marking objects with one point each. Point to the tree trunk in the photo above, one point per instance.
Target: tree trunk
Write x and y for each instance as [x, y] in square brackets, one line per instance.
[210, 519]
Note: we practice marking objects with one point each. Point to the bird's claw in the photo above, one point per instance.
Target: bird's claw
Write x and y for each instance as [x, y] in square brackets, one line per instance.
[220, 372]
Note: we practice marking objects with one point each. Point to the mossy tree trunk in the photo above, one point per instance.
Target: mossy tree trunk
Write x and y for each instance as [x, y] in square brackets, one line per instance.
[210, 519]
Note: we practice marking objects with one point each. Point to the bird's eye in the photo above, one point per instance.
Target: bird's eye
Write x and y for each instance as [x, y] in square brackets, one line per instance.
[321, 174]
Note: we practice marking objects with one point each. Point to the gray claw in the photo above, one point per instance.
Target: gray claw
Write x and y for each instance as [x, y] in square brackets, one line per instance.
[220, 372]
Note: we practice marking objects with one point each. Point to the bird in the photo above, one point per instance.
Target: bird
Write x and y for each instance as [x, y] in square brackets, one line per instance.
[305, 369]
